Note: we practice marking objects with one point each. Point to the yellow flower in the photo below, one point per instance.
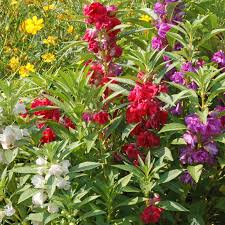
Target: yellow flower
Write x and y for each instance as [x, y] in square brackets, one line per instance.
[51, 40]
[145, 18]
[32, 26]
[49, 7]
[48, 57]
[14, 63]
[24, 71]
[14, 2]
[70, 29]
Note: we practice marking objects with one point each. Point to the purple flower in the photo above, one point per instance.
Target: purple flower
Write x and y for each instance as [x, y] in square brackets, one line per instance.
[160, 8]
[167, 60]
[219, 57]
[186, 178]
[178, 46]
[199, 63]
[163, 29]
[186, 155]
[213, 127]
[187, 67]
[87, 116]
[178, 77]
[115, 69]
[177, 110]
[220, 109]
[157, 43]
[194, 124]
[192, 85]
[211, 148]
[201, 156]
[190, 139]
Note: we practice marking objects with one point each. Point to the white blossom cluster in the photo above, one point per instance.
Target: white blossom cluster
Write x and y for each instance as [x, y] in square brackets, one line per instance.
[45, 171]
[10, 135]
[8, 211]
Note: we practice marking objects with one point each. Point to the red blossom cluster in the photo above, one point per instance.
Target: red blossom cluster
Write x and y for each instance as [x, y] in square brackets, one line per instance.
[101, 117]
[145, 110]
[48, 134]
[102, 42]
[152, 213]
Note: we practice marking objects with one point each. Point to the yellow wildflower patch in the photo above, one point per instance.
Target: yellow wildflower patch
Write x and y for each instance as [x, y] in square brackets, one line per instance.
[49, 7]
[51, 40]
[24, 71]
[70, 29]
[32, 26]
[14, 63]
[48, 57]
[145, 18]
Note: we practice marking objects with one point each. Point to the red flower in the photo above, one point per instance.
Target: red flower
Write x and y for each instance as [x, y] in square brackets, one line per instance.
[143, 92]
[90, 35]
[151, 214]
[101, 117]
[95, 10]
[68, 123]
[48, 135]
[53, 114]
[156, 120]
[116, 51]
[148, 139]
[131, 151]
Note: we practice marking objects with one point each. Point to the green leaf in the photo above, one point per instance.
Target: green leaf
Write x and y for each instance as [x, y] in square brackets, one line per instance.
[25, 169]
[84, 166]
[172, 206]
[178, 141]
[38, 217]
[170, 175]
[90, 141]
[195, 172]
[125, 180]
[27, 194]
[173, 127]
[91, 213]
[132, 201]
[128, 130]
[220, 138]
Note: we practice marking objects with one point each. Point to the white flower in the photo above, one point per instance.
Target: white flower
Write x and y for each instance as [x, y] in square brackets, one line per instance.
[65, 164]
[53, 208]
[38, 181]
[39, 198]
[41, 161]
[61, 183]
[9, 136]
[25, 132]
[55, 170]
[19, 108]
[9, 210]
